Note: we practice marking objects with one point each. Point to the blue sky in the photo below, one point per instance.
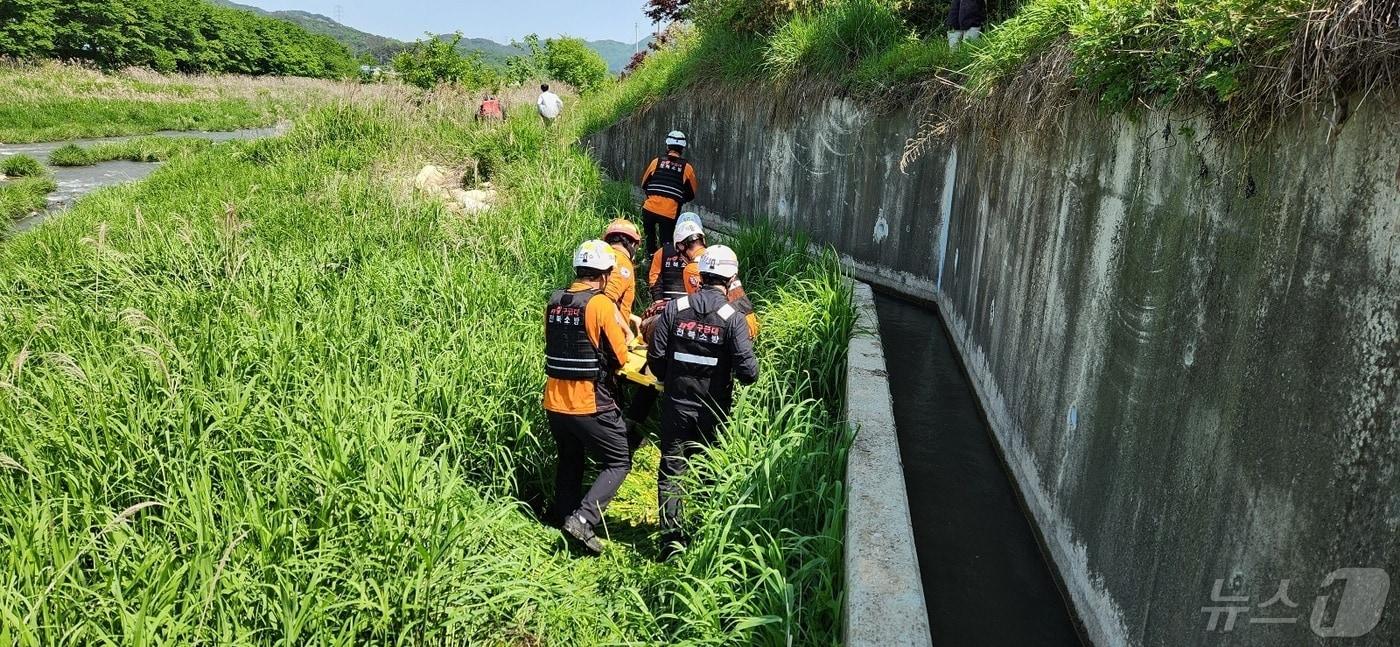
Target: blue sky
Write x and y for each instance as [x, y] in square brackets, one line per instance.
[499, 20]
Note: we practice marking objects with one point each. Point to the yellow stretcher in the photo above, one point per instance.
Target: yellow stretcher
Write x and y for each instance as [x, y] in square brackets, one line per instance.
[636, 368]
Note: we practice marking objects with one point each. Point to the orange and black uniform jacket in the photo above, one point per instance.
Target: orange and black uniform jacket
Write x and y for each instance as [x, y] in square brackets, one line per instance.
[661, 287]
[603, 325]
[669, 182]
[737, 296]
[622, 287]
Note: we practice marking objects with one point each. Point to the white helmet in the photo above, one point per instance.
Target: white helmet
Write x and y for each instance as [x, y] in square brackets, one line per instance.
[719, 261]
[685, 229]
[595, 254]
[675, 138]
[690, 216]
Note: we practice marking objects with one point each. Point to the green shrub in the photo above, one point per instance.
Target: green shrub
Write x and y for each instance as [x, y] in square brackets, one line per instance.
[71, 155]
[436, 60]
[572, 61]
[22, 196]
[1143, 48]
[21, 166]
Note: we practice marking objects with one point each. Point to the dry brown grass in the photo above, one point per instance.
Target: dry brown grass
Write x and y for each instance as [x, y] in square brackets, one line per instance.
[49, 79]
[1027, 105]
[1345, 50]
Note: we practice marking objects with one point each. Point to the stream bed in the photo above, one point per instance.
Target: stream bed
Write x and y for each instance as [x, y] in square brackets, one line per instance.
[77, 181]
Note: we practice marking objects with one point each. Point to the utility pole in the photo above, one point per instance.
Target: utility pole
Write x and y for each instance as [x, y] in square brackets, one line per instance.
[636, 37]
[340, 14]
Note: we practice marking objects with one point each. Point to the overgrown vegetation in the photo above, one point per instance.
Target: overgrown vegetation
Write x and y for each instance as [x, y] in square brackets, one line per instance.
[1254, 56]
[435, 60]
[53, 101]
[191, 36]
[270, 394]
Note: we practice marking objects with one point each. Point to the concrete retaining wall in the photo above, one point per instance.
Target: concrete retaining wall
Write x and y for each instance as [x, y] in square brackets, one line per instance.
[884, 594]
[1187, 347]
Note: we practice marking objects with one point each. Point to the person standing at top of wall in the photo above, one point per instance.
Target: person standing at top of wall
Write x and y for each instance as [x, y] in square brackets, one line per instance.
[965, 20]
[669, 182]
[583, 349]
[549, 104]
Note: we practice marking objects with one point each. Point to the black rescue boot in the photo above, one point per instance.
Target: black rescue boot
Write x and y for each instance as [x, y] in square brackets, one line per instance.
[671, 544]
[579, 529]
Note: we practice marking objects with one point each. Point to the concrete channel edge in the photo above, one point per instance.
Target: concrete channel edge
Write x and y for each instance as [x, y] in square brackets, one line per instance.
[884, 603]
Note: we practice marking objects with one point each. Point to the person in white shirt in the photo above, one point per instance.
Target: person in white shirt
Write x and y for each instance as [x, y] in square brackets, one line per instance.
[550, 105]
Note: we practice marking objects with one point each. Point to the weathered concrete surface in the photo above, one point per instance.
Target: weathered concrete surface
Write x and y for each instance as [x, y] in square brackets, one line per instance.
[884, 604]
[1187, 349]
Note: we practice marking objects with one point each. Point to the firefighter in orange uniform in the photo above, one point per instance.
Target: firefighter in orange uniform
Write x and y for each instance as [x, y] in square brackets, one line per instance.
[669, 182]
[666, 275]
[622, 236]
[584, 346]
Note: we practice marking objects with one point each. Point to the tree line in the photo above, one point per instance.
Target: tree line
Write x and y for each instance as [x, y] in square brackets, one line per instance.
[435, 60]
[169, 36]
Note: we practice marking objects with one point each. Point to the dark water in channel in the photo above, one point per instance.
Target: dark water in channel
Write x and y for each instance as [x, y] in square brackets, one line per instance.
[985, 580]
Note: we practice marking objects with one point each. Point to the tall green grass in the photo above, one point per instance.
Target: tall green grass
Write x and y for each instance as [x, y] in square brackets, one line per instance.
[833, 40]
[21, 166]
[271, 396]
[139, 149]
[27, 188]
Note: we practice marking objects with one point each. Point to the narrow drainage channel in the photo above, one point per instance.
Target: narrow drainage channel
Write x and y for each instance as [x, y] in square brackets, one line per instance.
[77, 181]
[986, 582]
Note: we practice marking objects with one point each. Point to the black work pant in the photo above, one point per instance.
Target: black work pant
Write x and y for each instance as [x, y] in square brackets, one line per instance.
[685, 431]
[601, 435]
[659, 230]
[643, 401]
[966, 14]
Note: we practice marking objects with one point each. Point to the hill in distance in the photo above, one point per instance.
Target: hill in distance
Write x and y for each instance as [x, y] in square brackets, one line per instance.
[383, 48]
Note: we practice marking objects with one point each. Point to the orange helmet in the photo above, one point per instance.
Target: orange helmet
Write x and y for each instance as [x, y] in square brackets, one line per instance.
[625, 227]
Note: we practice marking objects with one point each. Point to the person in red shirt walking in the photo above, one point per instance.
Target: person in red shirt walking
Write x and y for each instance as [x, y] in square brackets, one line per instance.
[491, 109]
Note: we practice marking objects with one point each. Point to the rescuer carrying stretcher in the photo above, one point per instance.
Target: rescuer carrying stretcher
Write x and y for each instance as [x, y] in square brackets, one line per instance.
[623, 238]
[585, 345]
[700, 346]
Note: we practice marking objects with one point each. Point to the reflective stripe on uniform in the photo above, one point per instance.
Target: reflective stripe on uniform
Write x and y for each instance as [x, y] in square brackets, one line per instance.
[576, 361]
[682, 303]
[697, 359]
[725, 312]
[586, 370]
[675, 294]
[667, 191]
